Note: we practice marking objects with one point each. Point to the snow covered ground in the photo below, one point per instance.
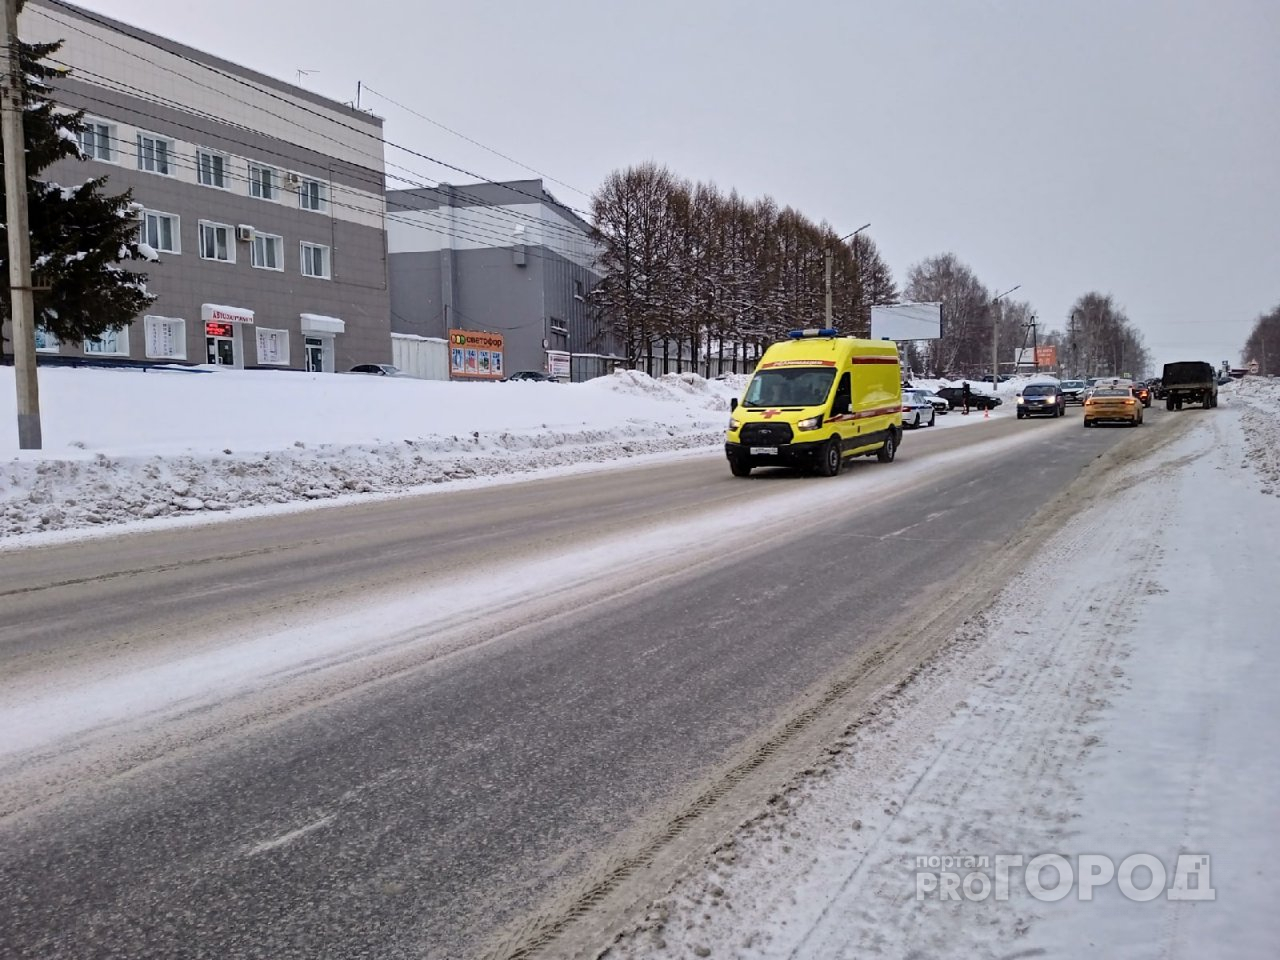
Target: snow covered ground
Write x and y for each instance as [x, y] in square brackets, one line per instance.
[1120, 699]
[124, 445]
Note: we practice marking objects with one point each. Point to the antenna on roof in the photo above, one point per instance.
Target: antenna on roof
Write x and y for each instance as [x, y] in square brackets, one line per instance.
[304, 73]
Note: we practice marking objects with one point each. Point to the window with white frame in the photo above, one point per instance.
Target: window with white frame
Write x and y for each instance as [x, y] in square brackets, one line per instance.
[212, 168]
[268, 251]
[315, 260]
[217, 242]
[313, 195]
[155, 154]
[273, 346]
[166, 338]
[98, 141]
[46, 342]
[264, 182]
[112, 343]
[161, 231]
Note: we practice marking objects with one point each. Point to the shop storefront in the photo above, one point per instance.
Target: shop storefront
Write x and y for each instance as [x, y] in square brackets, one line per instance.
[223, 337]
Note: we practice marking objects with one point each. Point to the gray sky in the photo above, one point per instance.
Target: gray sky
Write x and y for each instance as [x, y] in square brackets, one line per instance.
[1129, 146]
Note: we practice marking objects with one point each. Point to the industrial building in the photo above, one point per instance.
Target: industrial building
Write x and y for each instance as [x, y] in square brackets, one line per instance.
[504, 273]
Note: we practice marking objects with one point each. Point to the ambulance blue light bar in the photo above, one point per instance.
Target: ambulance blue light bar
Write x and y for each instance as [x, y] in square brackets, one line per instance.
[813, 332]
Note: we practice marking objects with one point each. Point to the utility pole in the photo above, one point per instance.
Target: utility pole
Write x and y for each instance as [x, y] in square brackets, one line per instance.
[995, 344]
[831, 256]
[15, 190]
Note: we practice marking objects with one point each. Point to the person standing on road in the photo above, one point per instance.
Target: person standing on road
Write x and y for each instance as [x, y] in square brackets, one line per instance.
[967, 395]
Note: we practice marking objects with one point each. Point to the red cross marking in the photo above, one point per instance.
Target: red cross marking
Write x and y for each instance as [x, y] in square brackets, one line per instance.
[768, 414]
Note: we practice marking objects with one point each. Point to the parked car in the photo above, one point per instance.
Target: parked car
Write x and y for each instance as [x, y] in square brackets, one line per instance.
[1041, 399]
[917, 410]
[1113, 405]
[1073, 390]
[939, 404]
[377, 369]
[979, 401]
[536, 375]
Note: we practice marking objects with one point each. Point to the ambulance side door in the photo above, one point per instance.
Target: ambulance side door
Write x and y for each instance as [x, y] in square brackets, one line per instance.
[842, 412]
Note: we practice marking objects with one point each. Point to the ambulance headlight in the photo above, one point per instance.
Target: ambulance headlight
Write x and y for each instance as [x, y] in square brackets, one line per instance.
[734, 424]
[812, 423]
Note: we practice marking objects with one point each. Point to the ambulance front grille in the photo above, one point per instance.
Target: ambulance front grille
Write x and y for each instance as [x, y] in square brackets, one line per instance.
[766, 434]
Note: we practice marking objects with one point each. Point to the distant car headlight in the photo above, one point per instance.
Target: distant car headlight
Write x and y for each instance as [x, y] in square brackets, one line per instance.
[811, 423]
[1021, 400]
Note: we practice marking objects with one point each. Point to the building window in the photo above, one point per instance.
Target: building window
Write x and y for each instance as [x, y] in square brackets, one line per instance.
[97, 141]
[113, 343]
[46, 342]
[273, 346]
[313, 195]
[211, 168]
[217, 242]
[315, 261]
[166, 338]
[155, 154]
[268, 251]
[264, 182]
[160, 231]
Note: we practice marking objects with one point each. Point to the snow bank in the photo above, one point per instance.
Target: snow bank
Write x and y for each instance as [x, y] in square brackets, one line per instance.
[125, 444]
[1259, 401]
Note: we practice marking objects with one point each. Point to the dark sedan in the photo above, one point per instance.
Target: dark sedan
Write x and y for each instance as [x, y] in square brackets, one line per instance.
[978, 401]
[1041, 399]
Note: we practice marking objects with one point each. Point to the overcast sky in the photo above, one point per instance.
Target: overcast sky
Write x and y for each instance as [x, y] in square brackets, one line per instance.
[1127, 146]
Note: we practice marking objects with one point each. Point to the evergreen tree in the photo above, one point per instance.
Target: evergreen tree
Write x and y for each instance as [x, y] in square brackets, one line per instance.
[79, 234]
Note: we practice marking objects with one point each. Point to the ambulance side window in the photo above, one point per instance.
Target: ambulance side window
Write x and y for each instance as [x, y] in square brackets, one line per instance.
[843, 402]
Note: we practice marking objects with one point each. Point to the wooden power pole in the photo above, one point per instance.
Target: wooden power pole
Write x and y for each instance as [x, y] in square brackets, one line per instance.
[15, 192]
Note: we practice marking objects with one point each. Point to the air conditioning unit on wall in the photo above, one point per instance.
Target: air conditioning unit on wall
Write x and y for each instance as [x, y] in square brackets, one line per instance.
[292, 179]
[244, 232]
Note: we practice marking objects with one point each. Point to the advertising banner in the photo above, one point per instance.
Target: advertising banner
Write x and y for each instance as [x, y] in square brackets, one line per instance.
[1046, 357]
[475, 355]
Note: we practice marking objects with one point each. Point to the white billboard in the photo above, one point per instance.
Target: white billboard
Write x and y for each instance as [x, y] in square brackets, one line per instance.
[907, 321]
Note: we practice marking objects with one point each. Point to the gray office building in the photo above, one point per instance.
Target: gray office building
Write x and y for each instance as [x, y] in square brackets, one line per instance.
[264, 201]
[505, 260]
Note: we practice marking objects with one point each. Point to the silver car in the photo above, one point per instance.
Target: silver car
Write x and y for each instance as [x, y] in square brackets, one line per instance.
[917, 409]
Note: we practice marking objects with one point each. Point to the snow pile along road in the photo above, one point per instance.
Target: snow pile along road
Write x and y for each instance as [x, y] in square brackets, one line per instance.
[124, 445]
[1259, 403]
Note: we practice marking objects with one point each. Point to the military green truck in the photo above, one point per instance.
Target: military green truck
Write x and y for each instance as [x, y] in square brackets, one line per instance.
[1190, 381]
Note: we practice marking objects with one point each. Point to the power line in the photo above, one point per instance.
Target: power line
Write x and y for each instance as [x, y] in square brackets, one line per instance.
[500, 215]
[482, 146]
[477, 234]
[260, 89]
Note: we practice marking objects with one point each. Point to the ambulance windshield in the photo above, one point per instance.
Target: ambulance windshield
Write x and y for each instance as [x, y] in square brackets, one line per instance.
[790, 387]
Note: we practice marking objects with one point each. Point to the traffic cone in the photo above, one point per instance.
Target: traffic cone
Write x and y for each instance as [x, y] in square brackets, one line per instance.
[986, 413]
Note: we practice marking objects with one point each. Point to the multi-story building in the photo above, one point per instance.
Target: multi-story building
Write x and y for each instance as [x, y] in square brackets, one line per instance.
[264, 201]
[506, 260]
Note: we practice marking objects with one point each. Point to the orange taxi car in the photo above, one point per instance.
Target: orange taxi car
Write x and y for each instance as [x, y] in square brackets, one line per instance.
[1112, 405]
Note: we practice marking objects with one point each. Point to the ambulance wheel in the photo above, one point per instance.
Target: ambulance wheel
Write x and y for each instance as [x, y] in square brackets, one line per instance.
[740, 467]
[830, 461]
[889, 450]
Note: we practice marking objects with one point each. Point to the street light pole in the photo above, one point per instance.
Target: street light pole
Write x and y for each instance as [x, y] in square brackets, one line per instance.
[831, 255]
[995, 336]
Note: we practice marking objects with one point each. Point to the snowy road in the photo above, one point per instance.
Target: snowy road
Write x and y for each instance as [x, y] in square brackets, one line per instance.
[395, 729]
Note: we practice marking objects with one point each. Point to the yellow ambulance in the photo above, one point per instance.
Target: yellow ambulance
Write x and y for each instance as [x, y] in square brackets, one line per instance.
[815, 399]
